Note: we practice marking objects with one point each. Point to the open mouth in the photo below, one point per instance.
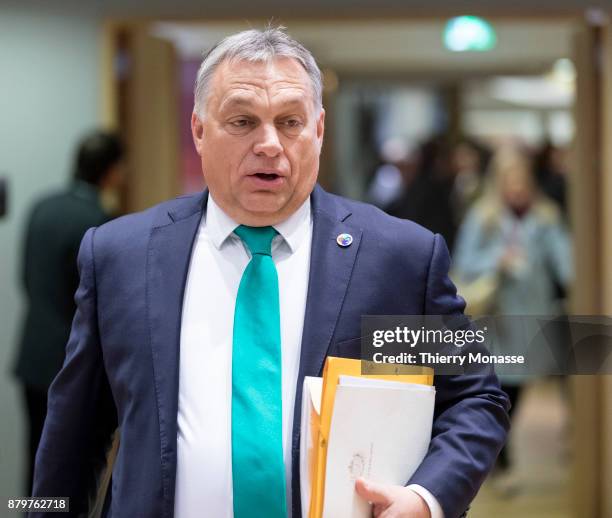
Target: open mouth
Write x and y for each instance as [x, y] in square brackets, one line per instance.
[267, 176]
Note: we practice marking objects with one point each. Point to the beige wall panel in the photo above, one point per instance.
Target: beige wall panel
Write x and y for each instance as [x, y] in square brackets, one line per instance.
[584, 214]
[109, 101]
[152, 121]
[606, 238]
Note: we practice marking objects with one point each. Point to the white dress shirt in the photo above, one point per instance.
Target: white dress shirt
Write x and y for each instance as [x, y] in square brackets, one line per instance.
[204, 457]
[219, 258]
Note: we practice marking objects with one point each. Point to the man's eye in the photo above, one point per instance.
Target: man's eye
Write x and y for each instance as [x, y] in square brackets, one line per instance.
[292, 123]
[240, 123]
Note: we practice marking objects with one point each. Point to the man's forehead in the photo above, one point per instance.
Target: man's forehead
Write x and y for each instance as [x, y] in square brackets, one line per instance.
[239, 97]
[241, 82]
[276, 74]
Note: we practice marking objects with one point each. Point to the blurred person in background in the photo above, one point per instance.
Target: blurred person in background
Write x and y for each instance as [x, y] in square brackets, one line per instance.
[50, 278]
[515, 237]
[398, 161]
[427, 199]
[550, 171]
[469, 163]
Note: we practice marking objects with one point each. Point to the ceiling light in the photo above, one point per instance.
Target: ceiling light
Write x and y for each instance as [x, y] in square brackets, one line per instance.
[469, 33]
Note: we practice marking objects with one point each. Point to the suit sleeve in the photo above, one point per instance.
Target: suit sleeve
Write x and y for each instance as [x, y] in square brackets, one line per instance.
[471, 418]
[81, 415]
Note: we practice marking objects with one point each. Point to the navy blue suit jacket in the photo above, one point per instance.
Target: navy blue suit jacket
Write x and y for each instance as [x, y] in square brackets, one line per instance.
[122, 357]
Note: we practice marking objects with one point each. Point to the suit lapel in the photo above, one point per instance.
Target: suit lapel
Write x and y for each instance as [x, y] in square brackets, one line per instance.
[331, 267]
[168, 261]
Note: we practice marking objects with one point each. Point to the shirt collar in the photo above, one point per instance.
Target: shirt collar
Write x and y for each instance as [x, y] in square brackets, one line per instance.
[293, 230]
[219, 225]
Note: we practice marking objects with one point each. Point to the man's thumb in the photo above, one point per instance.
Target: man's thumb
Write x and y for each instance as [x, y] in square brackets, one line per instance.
[372, 492]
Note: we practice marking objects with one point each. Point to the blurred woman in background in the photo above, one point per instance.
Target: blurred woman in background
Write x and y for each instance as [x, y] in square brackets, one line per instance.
[514, 238]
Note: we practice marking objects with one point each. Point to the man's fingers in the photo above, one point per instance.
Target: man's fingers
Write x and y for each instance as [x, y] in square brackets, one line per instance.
[373, 492]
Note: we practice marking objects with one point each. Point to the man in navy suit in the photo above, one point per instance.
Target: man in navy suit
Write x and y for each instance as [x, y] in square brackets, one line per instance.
[164, 294]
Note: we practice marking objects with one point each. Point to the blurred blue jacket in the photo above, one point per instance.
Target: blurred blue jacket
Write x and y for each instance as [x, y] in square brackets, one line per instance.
[541, 240]
[528, 285]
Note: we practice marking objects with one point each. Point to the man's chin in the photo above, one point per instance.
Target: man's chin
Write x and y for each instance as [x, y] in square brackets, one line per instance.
[264, 209]
[264, 202]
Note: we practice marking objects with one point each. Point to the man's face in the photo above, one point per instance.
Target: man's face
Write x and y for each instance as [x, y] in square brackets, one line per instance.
[260, 139]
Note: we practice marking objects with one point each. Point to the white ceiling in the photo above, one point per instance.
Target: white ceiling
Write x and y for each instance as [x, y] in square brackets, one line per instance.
[397, 47]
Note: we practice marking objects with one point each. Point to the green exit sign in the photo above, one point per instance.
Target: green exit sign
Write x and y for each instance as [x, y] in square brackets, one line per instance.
[469, 33]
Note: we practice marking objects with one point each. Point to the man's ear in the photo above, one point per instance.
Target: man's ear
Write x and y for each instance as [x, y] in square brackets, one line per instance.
[197, 132]
[321, 128]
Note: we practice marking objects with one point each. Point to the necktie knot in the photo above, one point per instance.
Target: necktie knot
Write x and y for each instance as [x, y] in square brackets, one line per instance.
[257, 239]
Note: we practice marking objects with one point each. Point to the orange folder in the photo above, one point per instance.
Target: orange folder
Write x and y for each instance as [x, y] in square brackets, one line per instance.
[334, 368]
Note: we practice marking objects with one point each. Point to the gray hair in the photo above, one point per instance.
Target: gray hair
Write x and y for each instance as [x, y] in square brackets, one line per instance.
[255, 46]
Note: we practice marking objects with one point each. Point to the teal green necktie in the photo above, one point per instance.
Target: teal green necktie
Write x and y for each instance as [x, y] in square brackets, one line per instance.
[258, 469]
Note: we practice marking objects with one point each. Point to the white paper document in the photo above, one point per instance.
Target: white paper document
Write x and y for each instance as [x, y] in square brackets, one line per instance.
[380, 430]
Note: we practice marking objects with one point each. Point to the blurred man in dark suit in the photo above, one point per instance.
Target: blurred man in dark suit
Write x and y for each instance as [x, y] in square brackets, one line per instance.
[56, 226]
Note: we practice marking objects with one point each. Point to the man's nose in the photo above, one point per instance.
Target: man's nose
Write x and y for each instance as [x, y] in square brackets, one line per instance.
[267, 142]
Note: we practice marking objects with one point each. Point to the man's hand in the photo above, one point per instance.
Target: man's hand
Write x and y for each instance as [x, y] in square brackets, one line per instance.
[392, 501]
